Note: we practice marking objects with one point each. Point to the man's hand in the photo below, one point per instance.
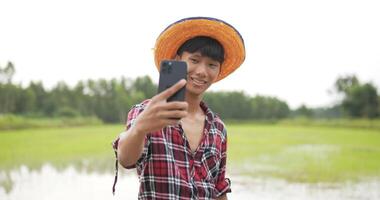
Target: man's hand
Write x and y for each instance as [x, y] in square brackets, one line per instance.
[157, 114]
[160, 113]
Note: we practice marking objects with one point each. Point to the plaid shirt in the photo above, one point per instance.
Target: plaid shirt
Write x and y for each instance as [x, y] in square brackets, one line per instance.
[168, 169]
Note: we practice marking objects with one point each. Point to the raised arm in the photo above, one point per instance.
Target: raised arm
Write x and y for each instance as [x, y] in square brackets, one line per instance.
[157, 114]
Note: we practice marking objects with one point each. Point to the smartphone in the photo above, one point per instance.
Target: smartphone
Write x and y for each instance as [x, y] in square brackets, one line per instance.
[172, 71]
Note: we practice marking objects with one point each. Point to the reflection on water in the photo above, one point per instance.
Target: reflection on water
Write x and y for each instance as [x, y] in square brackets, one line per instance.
[49, 183]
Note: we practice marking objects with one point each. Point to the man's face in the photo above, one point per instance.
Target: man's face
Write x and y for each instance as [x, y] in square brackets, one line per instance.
[202, 71]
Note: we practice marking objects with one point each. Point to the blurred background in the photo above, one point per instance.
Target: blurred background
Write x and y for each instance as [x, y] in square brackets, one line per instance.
[302, 112]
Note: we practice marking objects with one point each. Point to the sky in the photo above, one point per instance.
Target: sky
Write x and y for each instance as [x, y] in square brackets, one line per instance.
[295, 49]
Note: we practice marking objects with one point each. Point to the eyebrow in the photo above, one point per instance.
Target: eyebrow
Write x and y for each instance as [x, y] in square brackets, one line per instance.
[199, 55]
[196, 55]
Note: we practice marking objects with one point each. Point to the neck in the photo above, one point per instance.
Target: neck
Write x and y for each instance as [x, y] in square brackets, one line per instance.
[194, 103]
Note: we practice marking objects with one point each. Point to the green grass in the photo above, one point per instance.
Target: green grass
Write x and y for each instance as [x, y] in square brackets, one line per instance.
[359, 123]
[13, 122]
[59, 146]
[341, 122]
[295, 153]
[304, 154]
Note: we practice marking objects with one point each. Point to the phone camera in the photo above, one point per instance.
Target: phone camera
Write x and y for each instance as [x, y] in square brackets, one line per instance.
[167, 67]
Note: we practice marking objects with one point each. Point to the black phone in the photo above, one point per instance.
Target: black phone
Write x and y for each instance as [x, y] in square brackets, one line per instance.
[172, 71]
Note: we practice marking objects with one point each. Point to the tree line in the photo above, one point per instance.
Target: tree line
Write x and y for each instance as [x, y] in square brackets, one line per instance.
[110, 100]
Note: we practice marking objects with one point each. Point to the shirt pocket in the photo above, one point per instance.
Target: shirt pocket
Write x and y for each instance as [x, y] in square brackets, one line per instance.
[210, 163]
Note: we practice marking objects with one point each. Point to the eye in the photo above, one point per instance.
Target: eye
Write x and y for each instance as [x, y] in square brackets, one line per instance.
[193, 60]
[213, 66]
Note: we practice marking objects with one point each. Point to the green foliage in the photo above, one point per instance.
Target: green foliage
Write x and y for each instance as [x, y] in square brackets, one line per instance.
[8, 97]
[145, 85]
[327, 112]
[107, 100]
[303, 111]
[269, 108]
[7, 73]
[229, 105]
[110, 100]
[67, 112]
[239, 106]
[360, 100]
[343, 84]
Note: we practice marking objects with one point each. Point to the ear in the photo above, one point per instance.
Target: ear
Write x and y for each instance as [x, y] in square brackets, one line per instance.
[177, 57]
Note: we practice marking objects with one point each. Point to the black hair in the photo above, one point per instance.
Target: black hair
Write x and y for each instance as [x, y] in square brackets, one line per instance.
[206, 46]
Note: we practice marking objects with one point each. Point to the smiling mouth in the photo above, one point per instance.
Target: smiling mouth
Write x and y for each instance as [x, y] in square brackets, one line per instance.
[198, 82]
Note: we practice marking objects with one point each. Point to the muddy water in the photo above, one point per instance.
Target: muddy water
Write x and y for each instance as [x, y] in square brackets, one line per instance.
[49, 183]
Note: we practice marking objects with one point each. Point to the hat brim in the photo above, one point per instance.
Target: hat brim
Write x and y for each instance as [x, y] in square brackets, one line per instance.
[179, 32]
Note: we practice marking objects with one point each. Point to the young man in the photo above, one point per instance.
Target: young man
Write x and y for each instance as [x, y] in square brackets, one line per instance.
[186, 158]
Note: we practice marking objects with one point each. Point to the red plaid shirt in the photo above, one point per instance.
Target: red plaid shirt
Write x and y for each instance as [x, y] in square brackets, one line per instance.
[168, 169]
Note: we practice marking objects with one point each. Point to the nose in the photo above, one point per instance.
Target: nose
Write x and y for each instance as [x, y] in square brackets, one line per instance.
[200, 69]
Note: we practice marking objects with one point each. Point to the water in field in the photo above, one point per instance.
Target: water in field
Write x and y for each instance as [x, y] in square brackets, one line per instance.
[49, 183]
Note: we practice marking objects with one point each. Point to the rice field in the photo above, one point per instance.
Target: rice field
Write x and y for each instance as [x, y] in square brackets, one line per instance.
[295, 153]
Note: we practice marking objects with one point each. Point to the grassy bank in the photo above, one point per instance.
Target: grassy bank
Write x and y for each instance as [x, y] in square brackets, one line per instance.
[340, 122]
[343, 123]
[296, 153]
[12, 122]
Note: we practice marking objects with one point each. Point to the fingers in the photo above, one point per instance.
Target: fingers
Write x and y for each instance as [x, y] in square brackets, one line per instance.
[173, 89]
[172, 122]
[173, 114]
[175, 105]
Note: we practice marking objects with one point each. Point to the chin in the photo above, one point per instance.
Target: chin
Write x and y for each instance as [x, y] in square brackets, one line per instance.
[196, 90]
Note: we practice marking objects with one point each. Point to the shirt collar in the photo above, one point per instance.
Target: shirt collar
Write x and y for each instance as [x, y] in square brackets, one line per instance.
[210, 116]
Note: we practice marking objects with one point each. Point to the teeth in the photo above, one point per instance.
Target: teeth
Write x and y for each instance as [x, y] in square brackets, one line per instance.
[198, 81]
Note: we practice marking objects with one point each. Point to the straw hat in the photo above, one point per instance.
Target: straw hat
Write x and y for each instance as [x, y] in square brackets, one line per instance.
[179, 32]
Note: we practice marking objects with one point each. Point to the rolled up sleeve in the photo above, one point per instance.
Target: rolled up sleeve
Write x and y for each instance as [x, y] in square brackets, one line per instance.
[132, 115]
[131, 118]
[223, 184]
